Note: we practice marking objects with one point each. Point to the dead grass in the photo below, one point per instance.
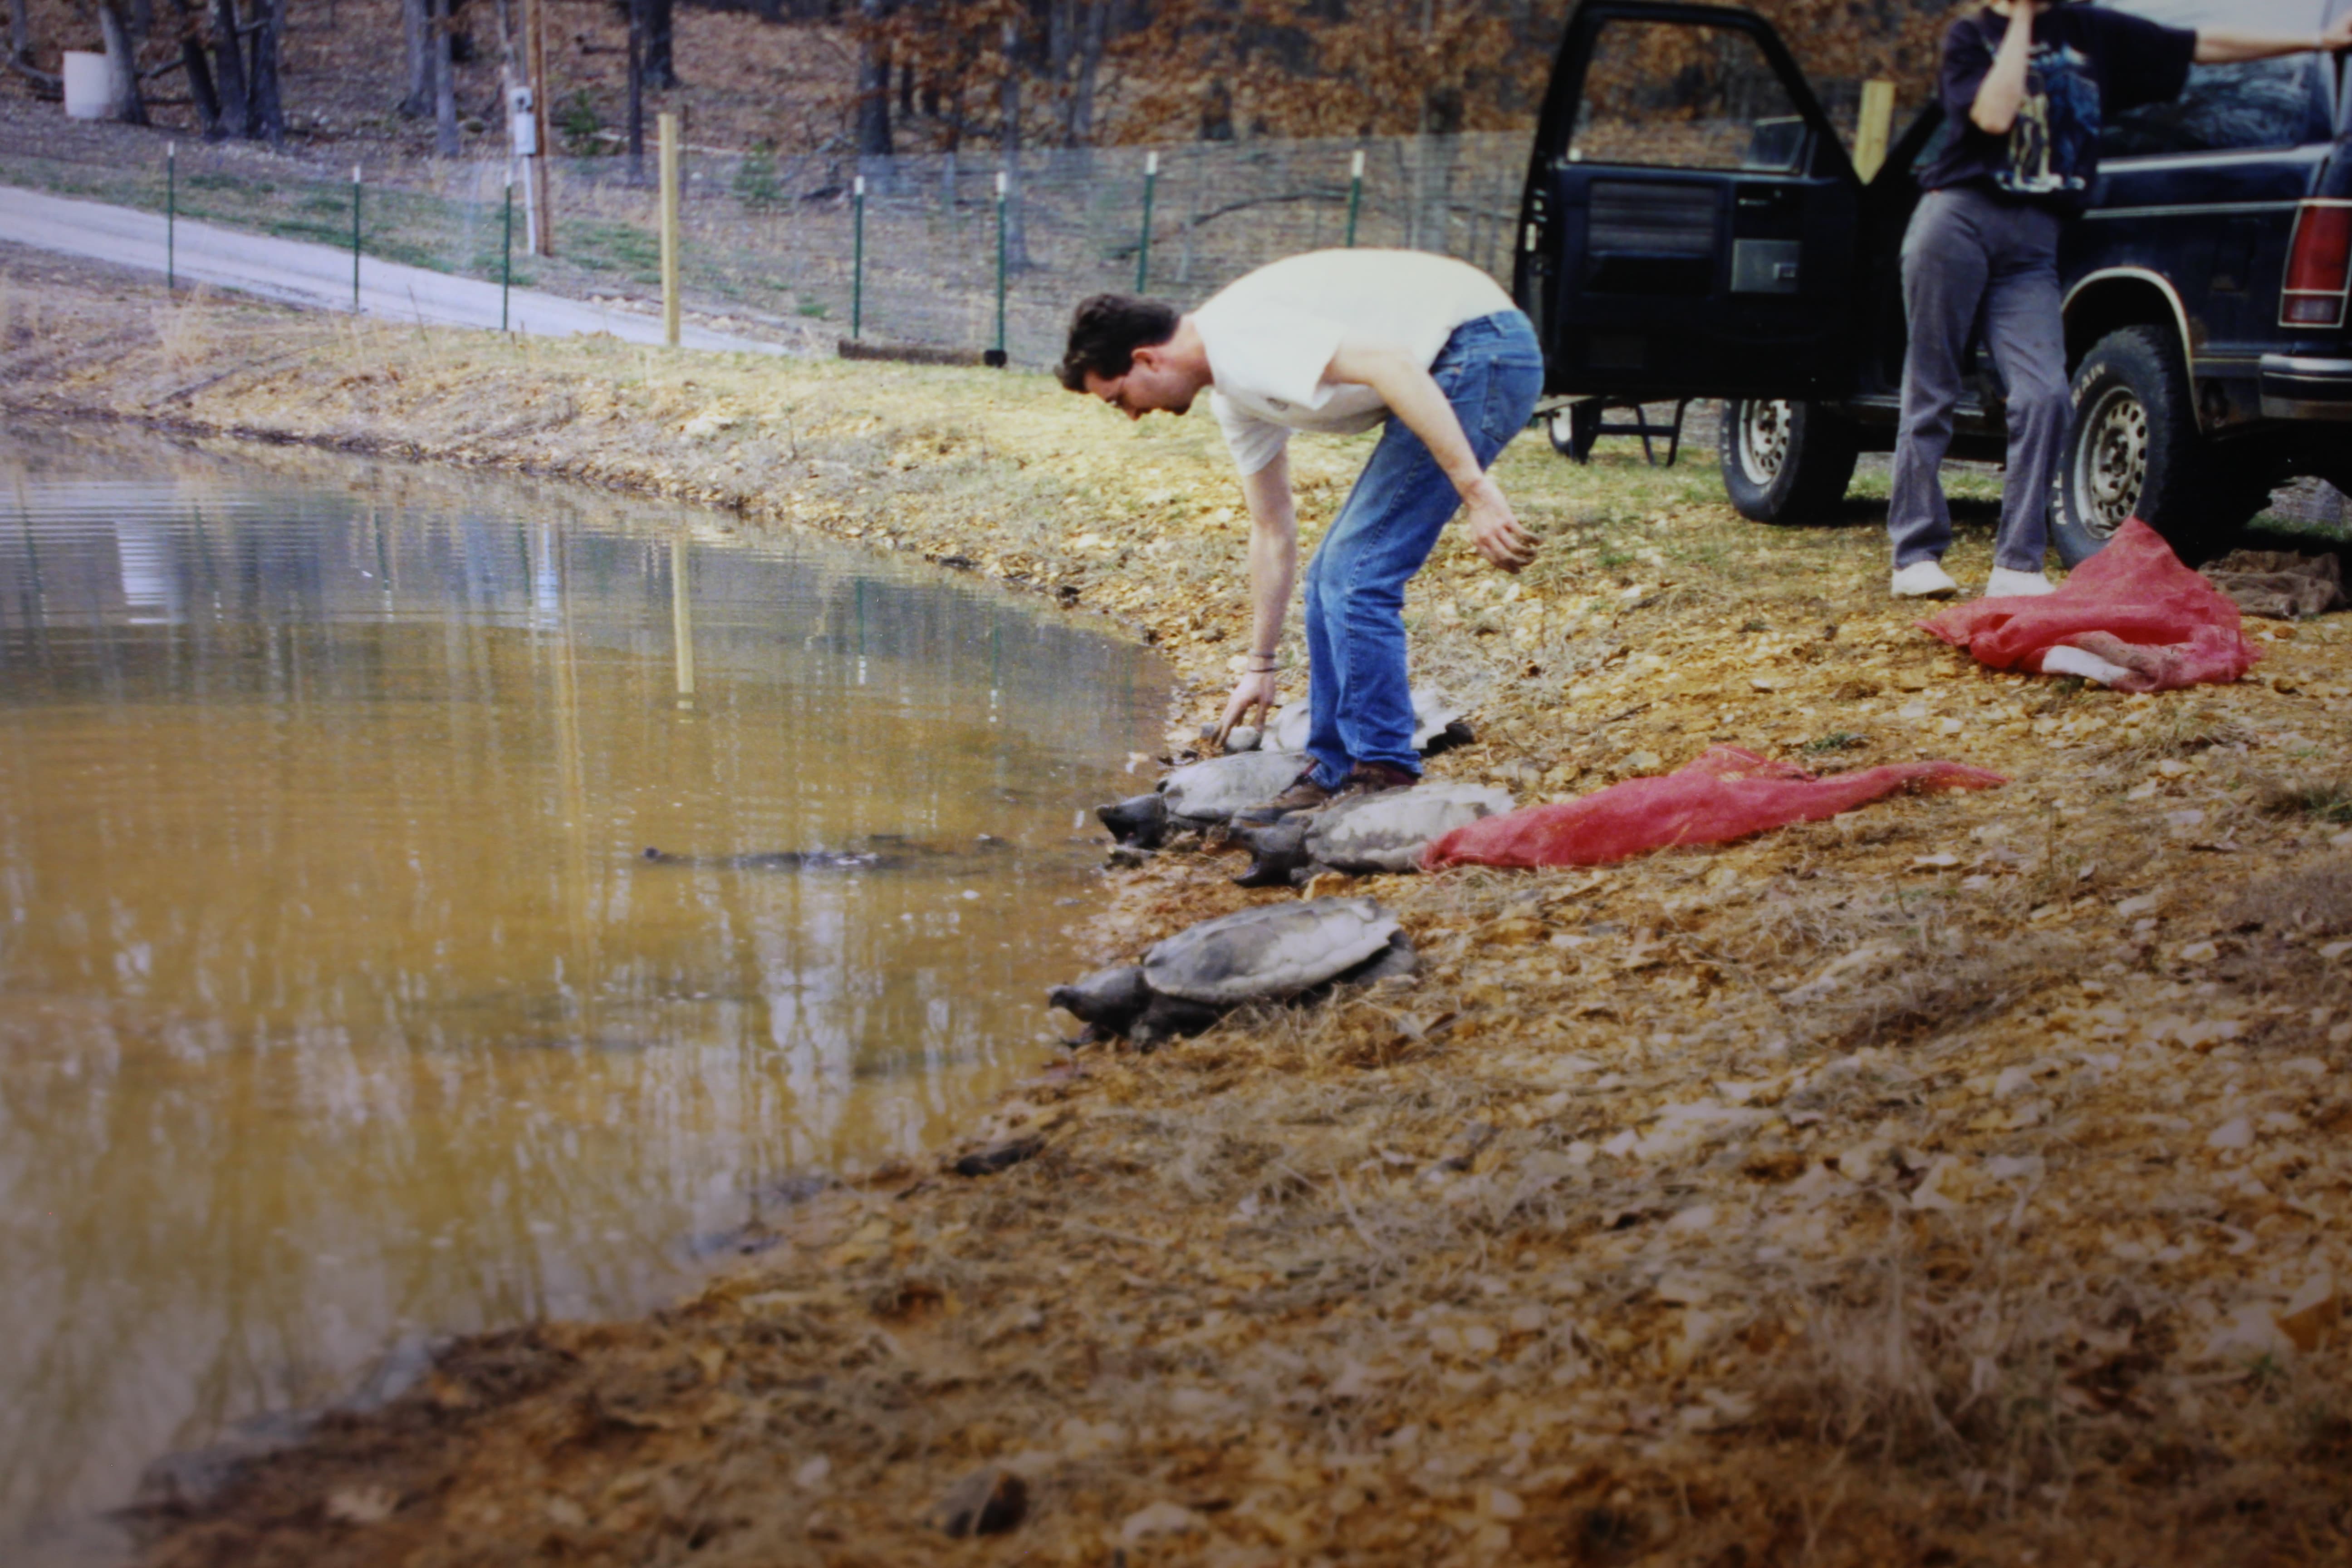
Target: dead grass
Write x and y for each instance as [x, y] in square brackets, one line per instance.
[2314, 901]
[1634, 1227]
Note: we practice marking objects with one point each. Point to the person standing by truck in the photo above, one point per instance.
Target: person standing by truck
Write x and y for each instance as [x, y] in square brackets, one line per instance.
[2025, 85]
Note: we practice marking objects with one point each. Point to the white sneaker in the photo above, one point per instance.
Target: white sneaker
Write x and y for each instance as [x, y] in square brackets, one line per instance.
[2005, 584]
[1924, 579]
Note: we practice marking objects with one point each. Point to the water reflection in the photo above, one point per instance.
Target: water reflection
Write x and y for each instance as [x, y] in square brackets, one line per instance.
[337, 999]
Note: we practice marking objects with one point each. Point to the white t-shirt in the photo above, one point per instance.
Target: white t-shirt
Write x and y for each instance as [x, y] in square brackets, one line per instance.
[1271, 335]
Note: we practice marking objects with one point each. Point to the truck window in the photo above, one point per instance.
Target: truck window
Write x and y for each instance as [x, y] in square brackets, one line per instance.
[2268, 103]
[1669, 96]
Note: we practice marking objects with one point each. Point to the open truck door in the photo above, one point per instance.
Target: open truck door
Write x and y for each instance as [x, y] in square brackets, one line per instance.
[1691, 229]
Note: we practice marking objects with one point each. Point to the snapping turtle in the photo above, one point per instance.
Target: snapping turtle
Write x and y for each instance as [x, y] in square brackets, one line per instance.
[878, 851]
[1200, 795]
[1270, 953]
[1383, 832]
[1437, 726]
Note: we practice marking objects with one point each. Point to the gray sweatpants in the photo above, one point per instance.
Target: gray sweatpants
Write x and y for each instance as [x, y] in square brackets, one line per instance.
[1969, 255]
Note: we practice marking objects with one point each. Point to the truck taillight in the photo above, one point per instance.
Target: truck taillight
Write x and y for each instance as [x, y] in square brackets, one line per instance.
[2318, 266]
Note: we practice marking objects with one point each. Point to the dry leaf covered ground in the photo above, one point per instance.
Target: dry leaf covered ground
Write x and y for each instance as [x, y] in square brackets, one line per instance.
[1960, 1181]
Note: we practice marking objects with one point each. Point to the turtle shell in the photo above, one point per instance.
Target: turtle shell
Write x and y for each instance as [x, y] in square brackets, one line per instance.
[1388, 832]
[1213, 790]
[1269, 952]
[1431, 714]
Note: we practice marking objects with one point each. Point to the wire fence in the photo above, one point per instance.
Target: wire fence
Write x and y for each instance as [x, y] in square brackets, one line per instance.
[778, 238]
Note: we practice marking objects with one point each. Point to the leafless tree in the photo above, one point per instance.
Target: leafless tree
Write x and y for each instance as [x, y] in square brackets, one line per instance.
[123, 101]
[264, 118]
[20, 32]
[416, 32]
[444, 82]
[874, 80]
[228, 68]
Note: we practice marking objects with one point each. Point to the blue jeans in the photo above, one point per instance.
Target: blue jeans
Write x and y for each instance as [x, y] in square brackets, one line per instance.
[1491, 371]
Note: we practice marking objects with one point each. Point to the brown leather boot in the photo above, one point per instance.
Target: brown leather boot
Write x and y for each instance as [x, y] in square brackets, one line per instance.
[1306, 794]
[1375, 778]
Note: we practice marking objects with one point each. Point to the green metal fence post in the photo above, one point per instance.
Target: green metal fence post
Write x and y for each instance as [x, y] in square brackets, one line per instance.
[355, 238]
[171, 215]
[1355, 193]
[858, 256]
[1002, 182]
[1143, 246]
[506, 252]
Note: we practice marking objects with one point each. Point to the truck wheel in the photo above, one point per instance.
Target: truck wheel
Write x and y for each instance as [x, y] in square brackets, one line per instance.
[1786, 462]
[2133, 450]
[1573, 428]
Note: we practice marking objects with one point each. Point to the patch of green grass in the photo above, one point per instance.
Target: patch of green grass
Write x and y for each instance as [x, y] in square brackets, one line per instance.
[2330, 800]
[611, 248]
[1835, 741]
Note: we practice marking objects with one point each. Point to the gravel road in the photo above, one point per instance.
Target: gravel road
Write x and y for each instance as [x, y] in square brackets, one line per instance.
[319, 276]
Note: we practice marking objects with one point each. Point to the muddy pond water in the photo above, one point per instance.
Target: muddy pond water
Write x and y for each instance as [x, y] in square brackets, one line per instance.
[340, 1005]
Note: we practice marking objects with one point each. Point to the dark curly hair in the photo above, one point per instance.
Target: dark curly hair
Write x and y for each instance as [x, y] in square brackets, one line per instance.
[1104, 331]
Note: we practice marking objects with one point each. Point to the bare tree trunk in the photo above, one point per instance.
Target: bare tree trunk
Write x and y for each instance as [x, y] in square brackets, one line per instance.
[1081, 120]
[444, 83]
[416, 32]
[661, 37]
[266, 113]
[122, 99]
[229, 58]
[1017, 234]
[873, 83]
[20, 31]
[199, 69]
[637, 92]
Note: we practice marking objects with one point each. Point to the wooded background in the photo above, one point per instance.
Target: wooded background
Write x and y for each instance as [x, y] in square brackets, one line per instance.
[875, 77]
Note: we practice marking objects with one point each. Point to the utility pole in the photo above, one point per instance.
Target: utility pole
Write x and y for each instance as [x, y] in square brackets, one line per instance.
[534, 58]
[667, 124]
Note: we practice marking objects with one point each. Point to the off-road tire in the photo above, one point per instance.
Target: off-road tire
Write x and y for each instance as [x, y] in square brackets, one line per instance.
[1573, 428]
[2132, 448]
[1786, 462]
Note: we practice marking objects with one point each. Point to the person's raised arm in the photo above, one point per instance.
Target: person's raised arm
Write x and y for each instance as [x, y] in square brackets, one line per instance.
[2224, 45]
[1411, 394]
[2002, 93]
[1274, 569]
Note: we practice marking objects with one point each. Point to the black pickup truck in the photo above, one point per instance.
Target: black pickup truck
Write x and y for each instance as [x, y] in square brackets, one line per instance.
[1693, 225]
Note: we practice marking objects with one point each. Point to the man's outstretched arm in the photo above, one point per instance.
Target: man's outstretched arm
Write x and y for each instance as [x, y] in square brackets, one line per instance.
[1410, 393]
[2226, 45]
[1273, 570]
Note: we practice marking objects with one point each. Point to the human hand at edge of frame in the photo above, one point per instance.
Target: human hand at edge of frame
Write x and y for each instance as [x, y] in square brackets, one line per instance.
[1258, 691]
[2337, 39]
[1495, 529]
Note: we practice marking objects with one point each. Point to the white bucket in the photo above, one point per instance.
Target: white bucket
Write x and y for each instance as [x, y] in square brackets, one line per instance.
[86, 95]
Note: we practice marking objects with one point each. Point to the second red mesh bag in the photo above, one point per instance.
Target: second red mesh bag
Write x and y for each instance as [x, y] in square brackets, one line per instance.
[2132, 604]
[1724, 795]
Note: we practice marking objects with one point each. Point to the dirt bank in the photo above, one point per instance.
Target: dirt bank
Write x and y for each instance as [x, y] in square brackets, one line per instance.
[1960, 1181]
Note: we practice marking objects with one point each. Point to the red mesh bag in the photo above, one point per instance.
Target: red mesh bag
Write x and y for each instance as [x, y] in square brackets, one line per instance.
[1724, 794]
[2133, 606]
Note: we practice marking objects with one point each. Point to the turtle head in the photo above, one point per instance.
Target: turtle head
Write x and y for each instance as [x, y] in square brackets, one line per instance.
[1140, 820]
[1276, 849]
[1110, 999]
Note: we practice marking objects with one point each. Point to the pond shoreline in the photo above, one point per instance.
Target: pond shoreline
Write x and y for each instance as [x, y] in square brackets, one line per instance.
[1940, 1183]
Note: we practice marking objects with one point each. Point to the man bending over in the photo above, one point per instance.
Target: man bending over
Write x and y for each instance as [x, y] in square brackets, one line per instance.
[1337, 341]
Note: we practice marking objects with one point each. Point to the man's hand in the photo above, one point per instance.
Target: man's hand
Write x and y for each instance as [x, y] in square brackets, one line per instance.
[2337, 39]
[1493, 529]
[1256, 691]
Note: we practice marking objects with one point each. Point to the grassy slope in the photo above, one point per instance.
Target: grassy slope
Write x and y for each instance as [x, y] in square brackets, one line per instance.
[1852, 1194]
